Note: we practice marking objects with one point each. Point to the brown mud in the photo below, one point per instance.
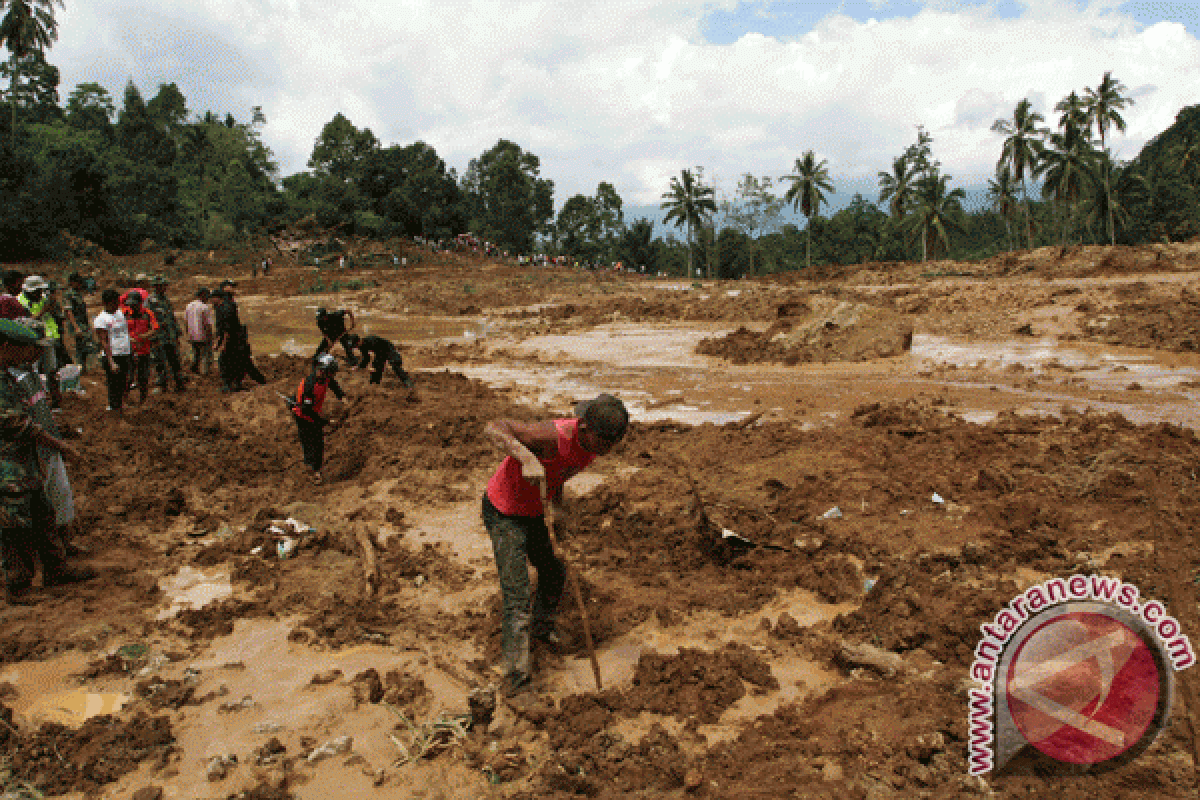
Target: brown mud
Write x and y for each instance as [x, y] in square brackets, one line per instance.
[240, 645]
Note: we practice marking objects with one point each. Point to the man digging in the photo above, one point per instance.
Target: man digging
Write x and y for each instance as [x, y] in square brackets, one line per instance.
[540, 458]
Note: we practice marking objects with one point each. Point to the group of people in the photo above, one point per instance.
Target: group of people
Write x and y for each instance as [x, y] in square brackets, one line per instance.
[35, 496]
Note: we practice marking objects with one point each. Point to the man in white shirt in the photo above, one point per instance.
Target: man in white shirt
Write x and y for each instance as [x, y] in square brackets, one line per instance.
[112, 333]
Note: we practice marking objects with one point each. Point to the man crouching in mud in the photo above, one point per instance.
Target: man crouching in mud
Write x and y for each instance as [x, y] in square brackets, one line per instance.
[541, 457]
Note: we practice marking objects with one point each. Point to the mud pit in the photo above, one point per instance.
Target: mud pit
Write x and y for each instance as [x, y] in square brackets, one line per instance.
[1029, 395]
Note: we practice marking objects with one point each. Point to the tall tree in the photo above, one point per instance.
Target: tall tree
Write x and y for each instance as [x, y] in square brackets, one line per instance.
[810, 181]
[896, 187]
[689, 203]
[1002, 192]
[1104, 104]
[340, 147]
[90, 107]
[510, 201]
[28, 26]
[756, 212]
[1067, 166]
[938, 211]
[1022, 150]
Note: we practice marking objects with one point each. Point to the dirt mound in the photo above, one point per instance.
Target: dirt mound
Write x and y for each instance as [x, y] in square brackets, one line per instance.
[832, 331]
[1148, 319]
[57, 759]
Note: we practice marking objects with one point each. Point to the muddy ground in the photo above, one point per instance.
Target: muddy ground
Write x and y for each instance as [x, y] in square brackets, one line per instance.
[237, 643]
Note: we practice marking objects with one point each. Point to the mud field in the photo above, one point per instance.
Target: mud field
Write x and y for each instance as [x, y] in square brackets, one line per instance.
[251, 635]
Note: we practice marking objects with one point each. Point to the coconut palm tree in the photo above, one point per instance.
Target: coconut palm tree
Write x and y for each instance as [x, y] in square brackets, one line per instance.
[1104, 105]
[1067, 168]
[896, 187]
[937, 212]
[1022, 150]
[688, 203]
[809, 183]
[1002, 192]
[1127, 186]
[28, 26]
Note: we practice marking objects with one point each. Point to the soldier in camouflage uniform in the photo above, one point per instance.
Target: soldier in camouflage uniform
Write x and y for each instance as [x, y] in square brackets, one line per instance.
[77, 320]
[166, 351]
[26, 517]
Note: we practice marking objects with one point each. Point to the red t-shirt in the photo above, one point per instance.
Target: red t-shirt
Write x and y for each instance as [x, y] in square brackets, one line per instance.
[139, 329]
[511, 494]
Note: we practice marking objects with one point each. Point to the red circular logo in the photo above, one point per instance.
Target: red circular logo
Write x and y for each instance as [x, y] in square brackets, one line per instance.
[1083, 688]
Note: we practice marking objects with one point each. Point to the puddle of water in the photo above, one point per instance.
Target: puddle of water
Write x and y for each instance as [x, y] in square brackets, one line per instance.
[191, 589]
[74, 707]
[1092, 364]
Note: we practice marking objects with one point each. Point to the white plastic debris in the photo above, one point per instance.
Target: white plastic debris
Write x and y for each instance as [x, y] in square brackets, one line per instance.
[285, 547]
[833, 513]
[937, 498]
[336, 747]
[728, 534]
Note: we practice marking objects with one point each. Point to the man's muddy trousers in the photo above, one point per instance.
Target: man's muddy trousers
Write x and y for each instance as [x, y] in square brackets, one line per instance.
[515, 541]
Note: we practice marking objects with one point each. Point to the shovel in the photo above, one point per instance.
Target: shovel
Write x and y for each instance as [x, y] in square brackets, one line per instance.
[573, 579]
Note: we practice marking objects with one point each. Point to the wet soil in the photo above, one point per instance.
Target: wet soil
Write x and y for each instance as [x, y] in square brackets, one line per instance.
[772, 504]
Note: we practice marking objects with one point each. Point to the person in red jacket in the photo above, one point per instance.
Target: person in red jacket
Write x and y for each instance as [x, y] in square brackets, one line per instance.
[143, 327]
[310, 398]
[540, 458]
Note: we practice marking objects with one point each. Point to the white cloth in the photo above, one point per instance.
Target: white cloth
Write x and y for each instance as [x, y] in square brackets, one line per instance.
[57, 485]
[118, 331]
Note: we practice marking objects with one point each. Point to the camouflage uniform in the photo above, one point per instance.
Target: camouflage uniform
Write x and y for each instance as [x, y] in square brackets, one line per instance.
[23, 510]
[77, 309]
[166, 350]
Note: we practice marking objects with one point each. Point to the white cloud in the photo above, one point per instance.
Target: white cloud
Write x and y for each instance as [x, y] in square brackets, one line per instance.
[629, 92]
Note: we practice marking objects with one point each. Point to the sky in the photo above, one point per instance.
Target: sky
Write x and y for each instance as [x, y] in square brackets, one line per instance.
[633, 91]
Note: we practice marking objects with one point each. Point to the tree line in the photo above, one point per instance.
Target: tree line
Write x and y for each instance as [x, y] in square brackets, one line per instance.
[139, 171]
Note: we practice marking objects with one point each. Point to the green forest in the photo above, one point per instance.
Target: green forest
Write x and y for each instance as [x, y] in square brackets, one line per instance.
[134, 171]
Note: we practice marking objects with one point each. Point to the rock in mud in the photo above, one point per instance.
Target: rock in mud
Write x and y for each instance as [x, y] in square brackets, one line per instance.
[873, 658]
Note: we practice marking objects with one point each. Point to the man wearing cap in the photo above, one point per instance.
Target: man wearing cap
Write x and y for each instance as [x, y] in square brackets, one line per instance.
[25, 515]
[166, 351]
[37, 306]
[112, 331]
[198, 316]
[77, 319]
[540, 458]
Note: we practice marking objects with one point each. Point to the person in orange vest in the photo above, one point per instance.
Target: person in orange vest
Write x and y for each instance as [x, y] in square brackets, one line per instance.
[310, 398]
[143, 328]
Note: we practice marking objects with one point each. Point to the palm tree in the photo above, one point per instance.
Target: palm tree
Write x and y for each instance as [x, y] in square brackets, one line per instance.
[896, 187]
[809, 182]
[1126, 186]
[29, 26]
[1003, 194]
[1104, 106]
[1068, 167]
[688, 203]
[1022, 150]
[937, 211]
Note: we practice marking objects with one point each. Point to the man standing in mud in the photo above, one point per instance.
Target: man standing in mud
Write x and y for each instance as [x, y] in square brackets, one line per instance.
[234, 361]
[310, 399]
[25, 515]
[77, 319]
[540, 458]
[166, 360]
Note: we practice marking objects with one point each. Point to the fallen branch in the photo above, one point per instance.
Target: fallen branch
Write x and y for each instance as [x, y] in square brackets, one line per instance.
[370, 563]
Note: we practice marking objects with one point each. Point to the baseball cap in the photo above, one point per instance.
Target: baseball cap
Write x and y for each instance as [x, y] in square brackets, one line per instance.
[33, 283]
[604, 414]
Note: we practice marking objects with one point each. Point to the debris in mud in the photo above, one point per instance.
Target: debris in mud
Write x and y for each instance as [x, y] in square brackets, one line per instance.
[334, 747]
[836, 331]
[695, 683]
[57, 759]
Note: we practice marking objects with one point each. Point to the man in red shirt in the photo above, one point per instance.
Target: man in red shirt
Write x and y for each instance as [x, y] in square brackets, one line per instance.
[143, 327]
[310, 398]
[541, 457]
